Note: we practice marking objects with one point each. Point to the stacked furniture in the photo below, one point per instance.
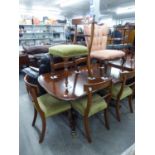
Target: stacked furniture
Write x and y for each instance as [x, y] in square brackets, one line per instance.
[68, 89]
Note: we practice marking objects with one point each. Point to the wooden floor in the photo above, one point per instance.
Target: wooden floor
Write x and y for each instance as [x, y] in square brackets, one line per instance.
[58, 138]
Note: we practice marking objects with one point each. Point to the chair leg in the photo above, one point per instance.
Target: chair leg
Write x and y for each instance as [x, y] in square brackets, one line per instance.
[35, 116]
[123, 62]
[117, 111]
[130, 103]
[106, 118]
[105, 67]
[87, 131]
[42, 135]
[72, 120]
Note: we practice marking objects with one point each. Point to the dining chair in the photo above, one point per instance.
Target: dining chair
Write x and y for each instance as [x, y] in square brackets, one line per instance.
[85, 22]
[45, 105]
[93, 103]
[97, 42]
[122, 89]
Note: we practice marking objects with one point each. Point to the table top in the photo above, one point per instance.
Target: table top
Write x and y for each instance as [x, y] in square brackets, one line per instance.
[128, 65]
[57, 88]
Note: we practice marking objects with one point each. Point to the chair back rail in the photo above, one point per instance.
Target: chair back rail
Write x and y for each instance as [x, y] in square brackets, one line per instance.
[33, 91]
[124, 76]
[90, 88]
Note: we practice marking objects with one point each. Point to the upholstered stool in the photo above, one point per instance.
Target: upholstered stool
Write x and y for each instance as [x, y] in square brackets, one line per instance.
[66, 52]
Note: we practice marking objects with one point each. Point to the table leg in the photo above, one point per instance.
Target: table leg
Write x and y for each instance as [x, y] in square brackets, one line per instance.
[76, 66]
[72, 118]
[66, 71]
[53, 69]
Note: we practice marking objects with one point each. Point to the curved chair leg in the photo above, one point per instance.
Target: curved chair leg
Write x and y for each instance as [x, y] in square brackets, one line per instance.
[130, 103]
[42, 135]
[106, 118]
[117, 111]
[35, 116]
[87, 131]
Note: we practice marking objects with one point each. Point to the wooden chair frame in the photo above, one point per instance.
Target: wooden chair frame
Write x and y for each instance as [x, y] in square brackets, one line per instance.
[124, 76]
[33, 91]
[90, 88]
[77, 22]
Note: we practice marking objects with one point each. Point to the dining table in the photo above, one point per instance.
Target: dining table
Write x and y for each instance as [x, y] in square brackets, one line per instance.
[76, 81]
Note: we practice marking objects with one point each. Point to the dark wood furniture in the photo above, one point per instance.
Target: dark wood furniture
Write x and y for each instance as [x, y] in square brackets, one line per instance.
[76, 22]
[127, 83]
[93, 101]
[57, 87]
[79, 86]
[45, 105]
[81, 21]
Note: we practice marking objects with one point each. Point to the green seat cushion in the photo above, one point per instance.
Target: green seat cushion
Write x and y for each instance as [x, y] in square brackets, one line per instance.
[116, 89]
[52, 106]
[68, 50]
[98, 104]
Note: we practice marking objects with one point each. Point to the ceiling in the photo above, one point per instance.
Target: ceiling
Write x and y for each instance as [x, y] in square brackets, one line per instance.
[81, 7]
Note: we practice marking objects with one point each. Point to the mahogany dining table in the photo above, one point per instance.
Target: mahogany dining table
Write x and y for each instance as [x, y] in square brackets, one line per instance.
[57, 87]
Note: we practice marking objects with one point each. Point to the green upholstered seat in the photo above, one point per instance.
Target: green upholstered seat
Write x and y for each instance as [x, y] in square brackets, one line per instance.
[68, 50]
[52, 106]
[116, 88]
[98, 104]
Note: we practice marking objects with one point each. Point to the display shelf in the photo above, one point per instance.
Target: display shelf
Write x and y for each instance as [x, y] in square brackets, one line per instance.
[34, 38]
[39, 33]
[42, 25]
[28, 34]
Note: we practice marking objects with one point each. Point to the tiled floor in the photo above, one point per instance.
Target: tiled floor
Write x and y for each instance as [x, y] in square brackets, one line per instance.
[58, 139]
